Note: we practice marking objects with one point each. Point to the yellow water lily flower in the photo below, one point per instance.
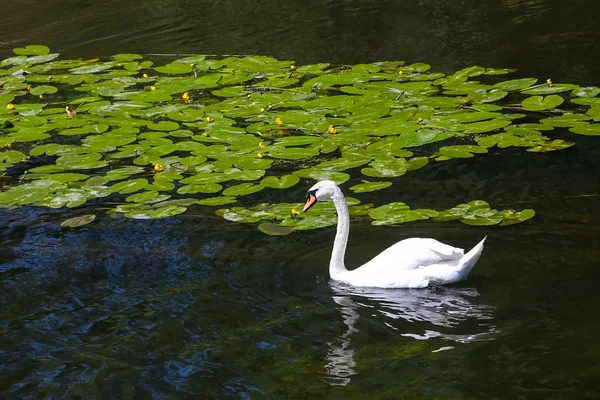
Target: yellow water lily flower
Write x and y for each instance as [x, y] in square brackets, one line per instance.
[153, 88]
[400, 72]
[259, 155]
[10, 106]
[295, 213]
[332, 129]
[145, 76]
[262, 109]
[292, 67]
[279, 121]
[29, 88]
[262, 146]
[549, 82]
[158, 167]
[209, 119]
[206, 134]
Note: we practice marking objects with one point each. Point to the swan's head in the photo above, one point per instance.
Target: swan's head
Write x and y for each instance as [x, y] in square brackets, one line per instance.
[320, 191]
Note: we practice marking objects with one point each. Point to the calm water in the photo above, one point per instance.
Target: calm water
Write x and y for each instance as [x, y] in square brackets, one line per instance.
[198, 307]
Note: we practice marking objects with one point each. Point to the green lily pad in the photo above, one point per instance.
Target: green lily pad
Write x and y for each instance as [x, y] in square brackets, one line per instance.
[242, 189]
[78, 221]
[203, 188]
[515, 84]
[32, 50]
[217, 201]
[283, 182]
[538, 103]
[367, 186]
[398, 213]
[550, 89]
[129, 186]
[175, 68]
[588, 130]
[43, 89]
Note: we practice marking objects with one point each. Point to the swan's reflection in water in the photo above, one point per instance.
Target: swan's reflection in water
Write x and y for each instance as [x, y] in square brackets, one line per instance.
[452, 313]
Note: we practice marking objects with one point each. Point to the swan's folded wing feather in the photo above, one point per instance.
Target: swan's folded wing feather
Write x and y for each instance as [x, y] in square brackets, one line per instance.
[415, 253]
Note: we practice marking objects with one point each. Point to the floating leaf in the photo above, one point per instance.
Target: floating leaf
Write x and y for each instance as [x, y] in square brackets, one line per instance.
[242, 189]
[175, 68]
[217, 201]
[203, 188]
[282, 182]
[398, 213]
[367, 186]
[43, 89]
[547, 89]
[79, 221]
[129, 186]
[538, 103]
[32, 50]
[588, 130]
[515, 84]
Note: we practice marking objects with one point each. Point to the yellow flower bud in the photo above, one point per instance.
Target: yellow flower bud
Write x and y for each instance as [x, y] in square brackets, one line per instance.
[145, 76]
[209, 119]
[10, 106]
[259, 155]
[292, 67]
[262, 109]
[332, 129]
[279, 121]
[153, 88]
[262, 146]
[158, 167]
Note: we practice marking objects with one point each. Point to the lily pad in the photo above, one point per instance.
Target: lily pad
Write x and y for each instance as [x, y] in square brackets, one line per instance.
[367, 186]
[538, 103]
[76, 222]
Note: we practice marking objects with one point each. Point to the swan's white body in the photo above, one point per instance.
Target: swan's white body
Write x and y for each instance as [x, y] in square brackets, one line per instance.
[410, 263]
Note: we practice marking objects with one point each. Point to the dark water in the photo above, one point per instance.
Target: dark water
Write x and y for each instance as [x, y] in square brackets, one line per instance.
[198, 307]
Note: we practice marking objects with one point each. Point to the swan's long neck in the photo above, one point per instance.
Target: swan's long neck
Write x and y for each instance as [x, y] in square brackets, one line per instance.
[336, 265]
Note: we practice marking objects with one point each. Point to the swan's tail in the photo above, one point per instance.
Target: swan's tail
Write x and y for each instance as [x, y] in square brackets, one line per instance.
[468, 261]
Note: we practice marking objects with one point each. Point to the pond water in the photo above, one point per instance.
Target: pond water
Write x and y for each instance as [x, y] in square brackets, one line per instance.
[194, 306]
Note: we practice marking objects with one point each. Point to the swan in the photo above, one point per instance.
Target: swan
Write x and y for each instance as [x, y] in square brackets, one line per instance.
[410, 263]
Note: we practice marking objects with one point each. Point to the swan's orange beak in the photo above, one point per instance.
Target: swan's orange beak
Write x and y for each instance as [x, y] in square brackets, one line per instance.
[310, 201]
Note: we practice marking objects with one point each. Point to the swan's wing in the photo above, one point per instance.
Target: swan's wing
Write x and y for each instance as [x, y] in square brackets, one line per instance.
[415, 253]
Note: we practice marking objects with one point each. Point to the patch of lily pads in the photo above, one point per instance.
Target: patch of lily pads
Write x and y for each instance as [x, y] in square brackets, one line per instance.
[159, 138]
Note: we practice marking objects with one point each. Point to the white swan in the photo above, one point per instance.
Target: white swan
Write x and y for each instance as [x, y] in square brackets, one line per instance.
[410, 263]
